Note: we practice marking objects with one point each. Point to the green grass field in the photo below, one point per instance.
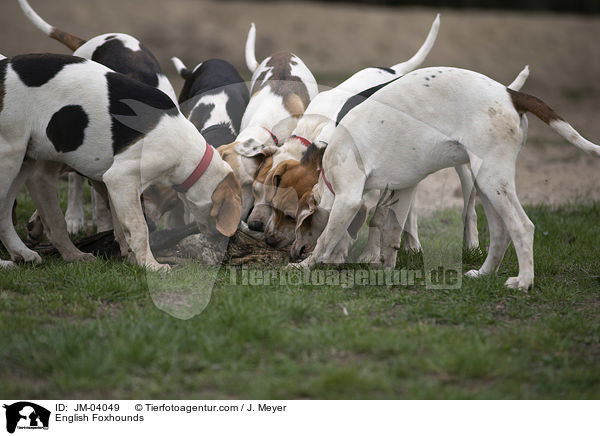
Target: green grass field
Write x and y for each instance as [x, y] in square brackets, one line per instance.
[91, 330]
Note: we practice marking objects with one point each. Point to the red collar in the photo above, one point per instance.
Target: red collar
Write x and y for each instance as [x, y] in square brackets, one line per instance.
[326, 181]
[304, 141]
[198, 172]
[275, 140]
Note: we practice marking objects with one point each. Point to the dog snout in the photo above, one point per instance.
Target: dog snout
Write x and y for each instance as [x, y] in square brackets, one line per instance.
[298, 254]
[272, 241]
[256, 225]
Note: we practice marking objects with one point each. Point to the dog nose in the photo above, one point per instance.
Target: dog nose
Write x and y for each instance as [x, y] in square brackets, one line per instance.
[297, 254]
[272, 241]
[257, 226]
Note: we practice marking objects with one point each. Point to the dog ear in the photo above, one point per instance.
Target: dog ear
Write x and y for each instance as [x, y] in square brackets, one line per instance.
[252, 148]
[357, 222]
[275, 177]
[306, 207]
[227, 205]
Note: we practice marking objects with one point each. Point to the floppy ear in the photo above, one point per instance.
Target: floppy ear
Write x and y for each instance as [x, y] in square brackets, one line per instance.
[306, 208]
[274, 178]
[227, 205]
[252, 148]
[357, 222]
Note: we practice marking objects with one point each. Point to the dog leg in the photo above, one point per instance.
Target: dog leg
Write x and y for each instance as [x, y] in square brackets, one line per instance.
[74, 215]
[102, 215]
[340, 253]
[100, 189]
[42, 188]
[499, 240]
[11, 182]
[124, 190]
[498, 184]
[471, 236]
[372, 252]
[411, 233]
[35, 229]
[396, 218]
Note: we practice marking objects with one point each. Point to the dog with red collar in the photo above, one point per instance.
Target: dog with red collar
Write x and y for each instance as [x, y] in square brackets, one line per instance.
[62, 110]
[281, 89]
[274, 208]
[122, 53]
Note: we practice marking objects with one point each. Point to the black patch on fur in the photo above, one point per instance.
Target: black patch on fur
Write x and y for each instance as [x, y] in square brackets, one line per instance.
[357, 99]
[66, 129]
[153, 103]
[212, 77]
[35, 70]
[109, 37]
[386, 69]
[313, 154]
[200, 115]
[219, 134]
[140, 65]
[3, 64]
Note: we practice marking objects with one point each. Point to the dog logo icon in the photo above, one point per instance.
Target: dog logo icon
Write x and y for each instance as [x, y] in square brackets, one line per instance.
[26, 415]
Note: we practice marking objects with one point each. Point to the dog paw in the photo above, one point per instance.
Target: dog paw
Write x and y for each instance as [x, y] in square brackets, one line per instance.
[474, 273]
[304, 265]
[519, 283]
[158, 267]
[75, 224]
[369, 257]
[6, 264]
[29, 256]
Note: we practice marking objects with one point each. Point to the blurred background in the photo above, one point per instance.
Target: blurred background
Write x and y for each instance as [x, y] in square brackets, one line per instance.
[558, 39]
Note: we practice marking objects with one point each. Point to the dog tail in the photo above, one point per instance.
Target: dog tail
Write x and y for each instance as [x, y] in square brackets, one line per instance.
[2, 56]
[528, 103]
[181, 68]
[419, 57]
[71, 41]
[518, 83]
[251, 61]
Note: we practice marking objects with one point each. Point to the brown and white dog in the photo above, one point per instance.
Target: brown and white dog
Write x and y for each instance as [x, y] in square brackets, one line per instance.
[296, 164]
[281, 89]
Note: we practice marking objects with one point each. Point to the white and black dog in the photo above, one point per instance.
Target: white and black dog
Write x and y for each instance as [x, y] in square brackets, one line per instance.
[67, 110]
[122, 53]
[214, 98]
[281, 89]
[427, 120]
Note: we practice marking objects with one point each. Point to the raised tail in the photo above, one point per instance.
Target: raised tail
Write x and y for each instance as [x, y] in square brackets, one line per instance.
[71, 41]
[518, 83]
[251, 61]
[2, 56]
[528, 103]
[181, 68]
[418, 58]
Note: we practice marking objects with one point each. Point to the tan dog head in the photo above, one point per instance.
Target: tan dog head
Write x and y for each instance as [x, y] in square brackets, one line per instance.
[291, 180]
[226, 207]
[310, 223]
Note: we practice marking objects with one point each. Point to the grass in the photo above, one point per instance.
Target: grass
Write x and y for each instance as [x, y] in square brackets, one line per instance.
[92, 330]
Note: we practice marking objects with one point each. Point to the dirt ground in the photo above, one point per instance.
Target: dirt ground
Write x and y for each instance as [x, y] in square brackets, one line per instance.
[337, 40]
